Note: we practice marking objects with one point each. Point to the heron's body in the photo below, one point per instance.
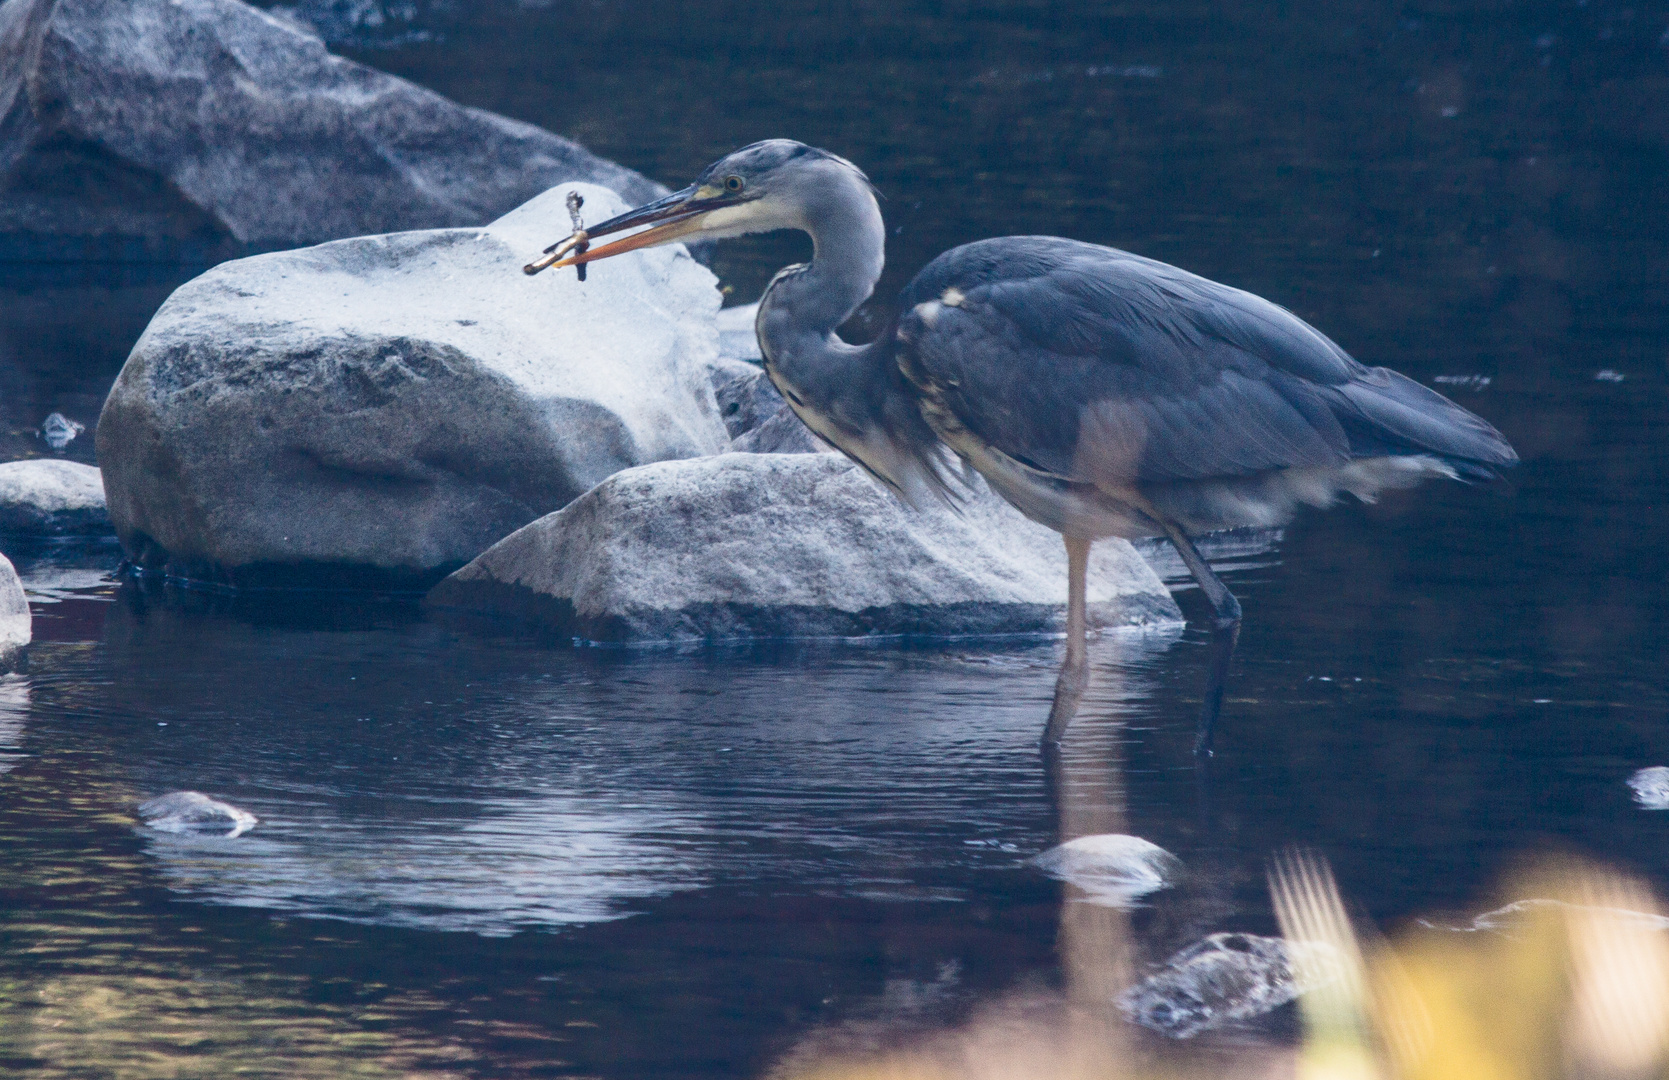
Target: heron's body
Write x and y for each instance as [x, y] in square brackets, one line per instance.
[1102, 393]
[1092, 387]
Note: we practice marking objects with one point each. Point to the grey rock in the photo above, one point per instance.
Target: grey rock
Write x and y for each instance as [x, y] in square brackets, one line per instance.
[745, 396]
[59, 430]
[51, 497]
[783, 433]
[1111, 869]
[1225, 978]
[194, 812]
[380, 410]
[1651, 787]
[779, 545]
[144, 129]
[1517, 918]
[758, 420]
[16, 624]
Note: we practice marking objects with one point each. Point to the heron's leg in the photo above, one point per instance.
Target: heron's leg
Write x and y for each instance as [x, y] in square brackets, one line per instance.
[1074, 676]
[1225, 631]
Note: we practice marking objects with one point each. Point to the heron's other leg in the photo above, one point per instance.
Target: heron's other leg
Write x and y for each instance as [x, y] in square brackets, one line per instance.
[1074, 676]
[1225, 631]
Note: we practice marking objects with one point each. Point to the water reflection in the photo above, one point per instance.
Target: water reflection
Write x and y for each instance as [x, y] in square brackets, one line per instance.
[14, 710]
[550, 861]
[407, 777]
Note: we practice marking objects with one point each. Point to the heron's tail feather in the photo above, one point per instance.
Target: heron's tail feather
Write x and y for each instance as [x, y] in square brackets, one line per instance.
[1387, 414]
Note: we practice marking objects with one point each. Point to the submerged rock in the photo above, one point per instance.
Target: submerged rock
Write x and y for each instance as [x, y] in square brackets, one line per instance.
[16, 624]
[1651, 787]
[776, 545]
[194, 812]
[51, 497]
[146, 129]
[1223, 979]
[380, 410]
[59, 430]
[1111, 868]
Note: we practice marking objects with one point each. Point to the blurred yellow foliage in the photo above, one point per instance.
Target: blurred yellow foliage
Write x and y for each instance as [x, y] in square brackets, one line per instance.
[1570, 985]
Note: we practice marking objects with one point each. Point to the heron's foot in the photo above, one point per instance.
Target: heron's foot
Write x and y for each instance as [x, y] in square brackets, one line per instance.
[1069, 692]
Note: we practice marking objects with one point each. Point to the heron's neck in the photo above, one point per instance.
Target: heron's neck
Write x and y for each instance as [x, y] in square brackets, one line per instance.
[803, 305]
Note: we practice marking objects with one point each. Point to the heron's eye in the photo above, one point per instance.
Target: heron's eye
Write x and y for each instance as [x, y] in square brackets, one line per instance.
[734, 183]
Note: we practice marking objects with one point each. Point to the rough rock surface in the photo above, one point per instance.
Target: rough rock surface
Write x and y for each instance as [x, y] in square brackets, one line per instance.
[1651, 787]
[1225, 978]
[770, 545]
[381, 409]
[16, 625]
[51, 497]
[144, 129]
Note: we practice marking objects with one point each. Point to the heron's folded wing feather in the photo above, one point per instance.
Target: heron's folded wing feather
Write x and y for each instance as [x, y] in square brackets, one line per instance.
[1098, 365]
[1095, 367]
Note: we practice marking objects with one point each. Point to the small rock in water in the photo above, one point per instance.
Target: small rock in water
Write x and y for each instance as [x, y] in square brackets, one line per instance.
[1112, 868]
[1513, 918]
[1222, 979]
[59, 430]
[1651, 787]
[194, 812]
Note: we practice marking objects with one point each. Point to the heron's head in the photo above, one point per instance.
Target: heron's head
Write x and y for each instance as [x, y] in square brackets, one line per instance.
[775, 184]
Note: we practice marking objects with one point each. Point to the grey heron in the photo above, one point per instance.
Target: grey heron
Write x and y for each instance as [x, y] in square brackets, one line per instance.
[1101, 393]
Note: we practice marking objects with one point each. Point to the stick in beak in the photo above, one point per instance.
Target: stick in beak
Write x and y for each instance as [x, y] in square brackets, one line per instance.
[575, 201]
[650, 237]
[677, 215]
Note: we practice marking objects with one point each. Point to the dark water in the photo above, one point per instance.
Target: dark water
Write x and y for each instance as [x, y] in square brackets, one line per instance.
[490, 857]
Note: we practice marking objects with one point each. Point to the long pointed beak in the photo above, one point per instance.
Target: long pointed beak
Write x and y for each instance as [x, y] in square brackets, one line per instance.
[672, 218]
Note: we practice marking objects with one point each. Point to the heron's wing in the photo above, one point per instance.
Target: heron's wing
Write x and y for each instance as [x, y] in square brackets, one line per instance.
[1098, 365]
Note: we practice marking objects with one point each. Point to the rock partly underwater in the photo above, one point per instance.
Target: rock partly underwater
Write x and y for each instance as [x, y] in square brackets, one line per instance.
[380, 410]
[194, 812]
[1225, 978]
[1111, 869]
[789, 545]
[16, 624]
[51, 497]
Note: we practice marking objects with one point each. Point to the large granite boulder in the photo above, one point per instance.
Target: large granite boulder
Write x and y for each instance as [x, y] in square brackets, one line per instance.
[16, 624]
[51, 497]
[780, 545]
[379, 410]
[144, 129]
